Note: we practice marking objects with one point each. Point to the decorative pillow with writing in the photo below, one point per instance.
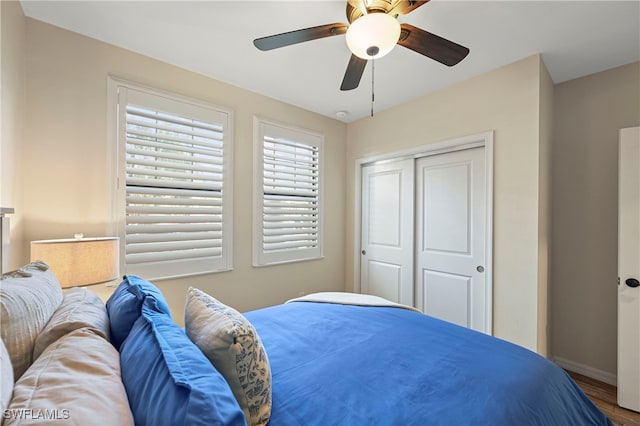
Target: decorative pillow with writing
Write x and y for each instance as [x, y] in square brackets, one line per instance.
[80, 308]
[233, 346]
[75, 381]
[168, 380]
[125, 304]
[28, 299]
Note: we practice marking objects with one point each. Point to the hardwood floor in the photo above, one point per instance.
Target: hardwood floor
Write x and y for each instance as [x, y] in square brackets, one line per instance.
[605, 397]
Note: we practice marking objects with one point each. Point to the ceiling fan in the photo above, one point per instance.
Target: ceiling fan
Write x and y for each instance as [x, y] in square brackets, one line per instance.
[373, 32]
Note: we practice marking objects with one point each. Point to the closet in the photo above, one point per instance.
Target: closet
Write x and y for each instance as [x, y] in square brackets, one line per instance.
[425, 229]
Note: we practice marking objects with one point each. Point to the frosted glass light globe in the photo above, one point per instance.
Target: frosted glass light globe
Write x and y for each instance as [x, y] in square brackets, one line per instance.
[375, 30]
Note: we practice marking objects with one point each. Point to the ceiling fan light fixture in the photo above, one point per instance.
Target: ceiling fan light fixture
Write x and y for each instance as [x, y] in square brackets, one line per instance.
[372, 36]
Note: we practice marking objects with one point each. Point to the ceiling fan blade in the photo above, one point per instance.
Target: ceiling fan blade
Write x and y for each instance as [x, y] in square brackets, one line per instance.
[354, 72]
[405, 6]
[435, 47]
[299, 36]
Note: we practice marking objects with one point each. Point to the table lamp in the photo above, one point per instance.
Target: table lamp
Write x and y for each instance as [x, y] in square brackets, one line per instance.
[79, 261]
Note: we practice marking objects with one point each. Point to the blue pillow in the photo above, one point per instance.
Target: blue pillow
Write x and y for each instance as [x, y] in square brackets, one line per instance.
[169, 380]
[124, 306]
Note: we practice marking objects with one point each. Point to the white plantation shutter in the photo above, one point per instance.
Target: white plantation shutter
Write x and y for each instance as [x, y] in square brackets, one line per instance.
[177, 194]
[288, 194]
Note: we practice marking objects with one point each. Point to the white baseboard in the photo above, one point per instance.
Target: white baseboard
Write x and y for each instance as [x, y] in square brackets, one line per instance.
[585, 370]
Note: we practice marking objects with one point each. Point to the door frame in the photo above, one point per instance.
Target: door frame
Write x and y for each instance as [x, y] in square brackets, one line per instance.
[484, 139]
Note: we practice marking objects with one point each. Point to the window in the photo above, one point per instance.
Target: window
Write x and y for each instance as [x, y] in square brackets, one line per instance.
[288, 194]
[174, 192]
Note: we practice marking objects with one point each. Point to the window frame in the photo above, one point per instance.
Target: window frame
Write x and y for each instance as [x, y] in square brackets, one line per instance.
[116, 156]
[266, 127]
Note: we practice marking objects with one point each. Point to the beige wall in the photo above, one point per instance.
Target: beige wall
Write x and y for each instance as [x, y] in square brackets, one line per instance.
[589, 112]
[507, 101]
[65, 172]
[12, 101]
[544, 206]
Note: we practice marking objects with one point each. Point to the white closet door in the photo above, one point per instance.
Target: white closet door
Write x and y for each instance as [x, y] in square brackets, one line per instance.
[386, 264]
[629, 269]
[450, 237]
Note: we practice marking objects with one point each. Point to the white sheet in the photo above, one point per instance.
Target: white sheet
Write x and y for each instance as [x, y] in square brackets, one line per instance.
[345, 298]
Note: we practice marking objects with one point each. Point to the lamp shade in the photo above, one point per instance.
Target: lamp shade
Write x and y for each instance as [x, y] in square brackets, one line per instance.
[375, 30]
[79, 261]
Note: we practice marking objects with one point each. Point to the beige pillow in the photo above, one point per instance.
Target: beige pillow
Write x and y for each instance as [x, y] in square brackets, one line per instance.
[232, 345]
[28, 298]
[80, 308]
[6, 377]
[75, 381]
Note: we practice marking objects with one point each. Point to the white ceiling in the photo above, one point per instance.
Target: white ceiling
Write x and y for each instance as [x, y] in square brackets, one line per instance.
[214, 38]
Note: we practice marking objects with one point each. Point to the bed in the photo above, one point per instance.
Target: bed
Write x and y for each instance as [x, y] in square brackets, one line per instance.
[327, 359]
[353, 364]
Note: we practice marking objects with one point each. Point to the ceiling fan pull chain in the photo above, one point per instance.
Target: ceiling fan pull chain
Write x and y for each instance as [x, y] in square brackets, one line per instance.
[373, 67]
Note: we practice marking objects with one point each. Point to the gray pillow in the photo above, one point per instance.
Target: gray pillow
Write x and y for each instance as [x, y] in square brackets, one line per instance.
[232, 345]
[28, 298]
[77, 380]
[80, 308]
[6, 377]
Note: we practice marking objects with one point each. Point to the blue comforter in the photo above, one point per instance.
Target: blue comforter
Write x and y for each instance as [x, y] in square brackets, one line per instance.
[355, 365]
